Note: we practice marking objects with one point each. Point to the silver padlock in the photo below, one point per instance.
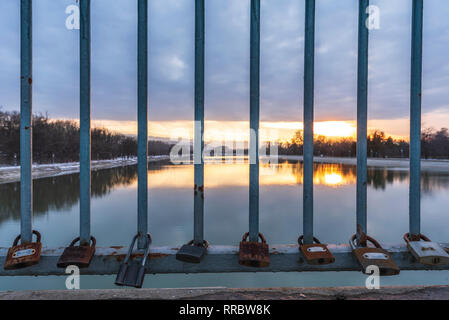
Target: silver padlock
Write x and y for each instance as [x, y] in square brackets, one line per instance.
[426, 252]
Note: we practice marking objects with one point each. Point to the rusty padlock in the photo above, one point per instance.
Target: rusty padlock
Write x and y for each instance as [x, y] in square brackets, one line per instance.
[368, 256]
[24, 255]
[192, 253]
[315, 254]
[426, 252]
[79, 256]
[254, 254]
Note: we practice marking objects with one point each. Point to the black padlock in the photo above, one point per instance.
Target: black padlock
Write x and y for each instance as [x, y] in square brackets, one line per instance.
[132, 274]
[192, 253]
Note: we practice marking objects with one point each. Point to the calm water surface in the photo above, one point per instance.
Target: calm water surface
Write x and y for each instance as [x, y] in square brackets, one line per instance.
[114, 207]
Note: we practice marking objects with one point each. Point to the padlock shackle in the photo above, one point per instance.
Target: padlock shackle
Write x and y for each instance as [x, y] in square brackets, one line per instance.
[261, 236]
[204, 244]
[92, 239]
[421, 237]
[368, 238]
[38, 238]
[147, 250]
[130, 250]
[361, 236]
[302, 237]
[131, 247]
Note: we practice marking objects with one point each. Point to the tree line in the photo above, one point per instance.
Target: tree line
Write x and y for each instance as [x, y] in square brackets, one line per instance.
[434, 145]
[57, 141]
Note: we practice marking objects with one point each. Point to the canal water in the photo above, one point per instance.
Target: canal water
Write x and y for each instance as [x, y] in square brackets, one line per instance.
[114, 207]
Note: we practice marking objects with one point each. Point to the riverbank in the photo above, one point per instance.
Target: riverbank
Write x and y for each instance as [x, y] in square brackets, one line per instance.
[344, 293]
[399, 164]
[12, 173]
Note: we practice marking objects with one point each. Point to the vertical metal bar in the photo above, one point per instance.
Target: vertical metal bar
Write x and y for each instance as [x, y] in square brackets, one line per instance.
[85, 138]
[142, 115]
[362, 115]
[254, 121]
[309, 64]
[198, 145]
[26, 120]
[415, 118]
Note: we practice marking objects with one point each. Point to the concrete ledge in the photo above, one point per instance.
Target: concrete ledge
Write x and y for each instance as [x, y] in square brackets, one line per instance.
[220, 259]
[345, 293]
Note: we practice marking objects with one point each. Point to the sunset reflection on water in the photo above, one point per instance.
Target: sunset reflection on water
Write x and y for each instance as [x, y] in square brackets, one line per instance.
[237, 174]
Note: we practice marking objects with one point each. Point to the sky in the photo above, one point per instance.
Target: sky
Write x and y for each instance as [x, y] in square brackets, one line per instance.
[171, 63]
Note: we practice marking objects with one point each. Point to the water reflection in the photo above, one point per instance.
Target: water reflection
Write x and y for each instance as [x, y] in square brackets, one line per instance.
[114, 219]
[62, 193]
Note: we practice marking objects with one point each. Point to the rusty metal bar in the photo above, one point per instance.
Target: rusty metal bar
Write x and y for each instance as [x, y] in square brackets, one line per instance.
[415, 118]
[26, 120]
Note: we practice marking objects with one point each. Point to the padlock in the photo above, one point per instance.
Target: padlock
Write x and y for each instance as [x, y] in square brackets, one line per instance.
[254, 254]
[315, 254]
[132, 274]
[426, 252]
[368, 256]
[24, 255]
[79, 256]
[192, 253]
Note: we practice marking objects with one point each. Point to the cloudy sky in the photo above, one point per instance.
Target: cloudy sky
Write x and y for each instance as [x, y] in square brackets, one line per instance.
[114, 65]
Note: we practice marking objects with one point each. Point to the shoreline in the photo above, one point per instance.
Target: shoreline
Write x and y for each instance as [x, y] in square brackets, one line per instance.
[11, 174]
[431, 165]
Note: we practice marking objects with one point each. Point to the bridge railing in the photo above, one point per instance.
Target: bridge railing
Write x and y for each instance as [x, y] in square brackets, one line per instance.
[218, 258]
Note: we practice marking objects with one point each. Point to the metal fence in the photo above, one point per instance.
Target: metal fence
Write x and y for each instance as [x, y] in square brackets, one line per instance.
[218, 258]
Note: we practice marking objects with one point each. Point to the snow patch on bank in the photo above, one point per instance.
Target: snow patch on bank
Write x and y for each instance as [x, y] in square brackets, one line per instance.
[11, 174]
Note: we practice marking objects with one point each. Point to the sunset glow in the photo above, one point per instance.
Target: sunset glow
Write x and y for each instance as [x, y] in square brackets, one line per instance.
[340, 129]
[218, 131]
[231, 130]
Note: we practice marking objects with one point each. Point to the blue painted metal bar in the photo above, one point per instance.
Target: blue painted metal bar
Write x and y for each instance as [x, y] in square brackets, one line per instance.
[142, 118]
[415, 118]
[254, 121]
[362, 115]
[309, 75]
[198, 146]
[26, 120]
[85, 138]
